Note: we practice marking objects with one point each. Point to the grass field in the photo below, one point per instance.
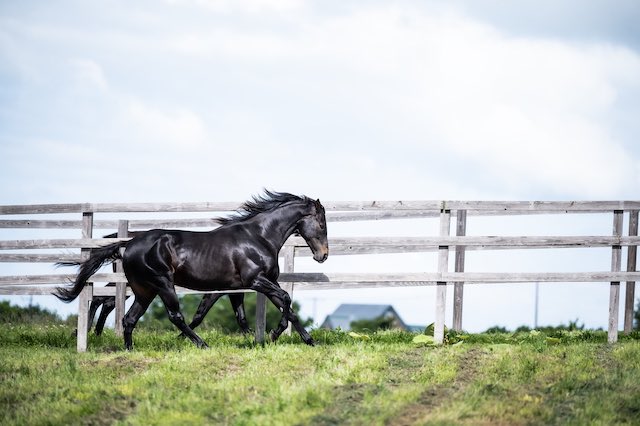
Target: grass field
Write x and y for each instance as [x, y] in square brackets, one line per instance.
[376, 379]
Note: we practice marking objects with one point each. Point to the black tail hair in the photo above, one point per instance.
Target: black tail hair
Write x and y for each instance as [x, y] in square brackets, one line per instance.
[98, 257]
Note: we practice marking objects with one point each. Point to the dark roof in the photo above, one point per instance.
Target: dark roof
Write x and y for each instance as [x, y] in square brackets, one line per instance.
[346, 313]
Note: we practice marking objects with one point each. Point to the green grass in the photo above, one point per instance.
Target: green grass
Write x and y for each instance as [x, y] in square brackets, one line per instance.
[383, 378]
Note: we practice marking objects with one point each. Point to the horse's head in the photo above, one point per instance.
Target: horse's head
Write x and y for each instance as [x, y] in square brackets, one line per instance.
[313, 228]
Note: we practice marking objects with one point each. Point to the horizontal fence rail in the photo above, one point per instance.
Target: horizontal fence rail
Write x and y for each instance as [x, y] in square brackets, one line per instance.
[505, 207]
[372, 244]
[89, 218]
[320, 281]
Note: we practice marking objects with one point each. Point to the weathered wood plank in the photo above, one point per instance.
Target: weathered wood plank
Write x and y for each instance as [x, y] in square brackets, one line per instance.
[458, 288]
[478, 241]
[56, 279]
[506, 206]
[35, 290]
[58, 243]
[441, 286]
[38, 258]
[302, 279]
[121, 287]
[320, 279]
[614, 291]
[306, 281]
[288, 266]
[181, 223]
[40, 290]
[119, 207]
[549, 206]
[86, 295]
[40, 224]
[432, 205]
[143, 224]
[630, 298]
[359, 245]
[261, 317]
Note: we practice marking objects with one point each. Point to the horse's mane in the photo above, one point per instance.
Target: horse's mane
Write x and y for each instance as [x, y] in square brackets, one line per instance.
[259, 204]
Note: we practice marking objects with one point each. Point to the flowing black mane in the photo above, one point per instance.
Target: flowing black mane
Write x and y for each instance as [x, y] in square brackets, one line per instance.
[259, 204]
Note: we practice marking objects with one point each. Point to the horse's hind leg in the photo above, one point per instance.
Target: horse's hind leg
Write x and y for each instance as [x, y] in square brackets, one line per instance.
[237, 302]
[107, 307]
[139, 307]
[93, 308]
[207, 302]
[168, 295]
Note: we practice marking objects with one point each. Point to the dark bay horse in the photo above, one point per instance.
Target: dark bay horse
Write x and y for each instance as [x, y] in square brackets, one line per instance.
[240, 254]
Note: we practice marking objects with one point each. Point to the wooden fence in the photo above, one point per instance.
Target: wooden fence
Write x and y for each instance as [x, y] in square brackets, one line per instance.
[88, 219]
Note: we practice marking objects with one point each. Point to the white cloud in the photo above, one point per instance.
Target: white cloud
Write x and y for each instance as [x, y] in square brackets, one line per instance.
[89, 73]
[535, 113]
[245, 6]
[532, 113]
[170, 126]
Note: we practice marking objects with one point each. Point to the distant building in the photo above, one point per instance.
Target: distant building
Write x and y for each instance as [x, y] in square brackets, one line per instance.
[347, 313]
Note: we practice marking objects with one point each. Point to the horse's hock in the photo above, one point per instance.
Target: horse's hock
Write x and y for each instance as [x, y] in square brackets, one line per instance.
[38, 236]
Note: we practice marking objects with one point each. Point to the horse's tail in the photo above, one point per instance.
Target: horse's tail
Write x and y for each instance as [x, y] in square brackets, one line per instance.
[98, 257]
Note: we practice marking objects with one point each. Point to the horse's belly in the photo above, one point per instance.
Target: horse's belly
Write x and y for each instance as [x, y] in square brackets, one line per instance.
[206, 281]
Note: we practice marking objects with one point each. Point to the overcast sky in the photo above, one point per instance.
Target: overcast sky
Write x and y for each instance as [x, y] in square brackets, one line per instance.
[197, 100]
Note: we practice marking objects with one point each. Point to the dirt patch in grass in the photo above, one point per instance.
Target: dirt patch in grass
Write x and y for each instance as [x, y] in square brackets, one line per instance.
[345, 404]
[402, 369]
[122, 361]
[112, 411]
[347, 399]
[436, 396]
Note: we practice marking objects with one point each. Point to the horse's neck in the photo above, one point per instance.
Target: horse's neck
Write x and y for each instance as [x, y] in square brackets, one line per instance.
[278, 225]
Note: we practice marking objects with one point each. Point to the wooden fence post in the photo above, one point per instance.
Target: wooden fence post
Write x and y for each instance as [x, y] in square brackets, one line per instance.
[261, 317]
[441, 286]
[614, 292]
[458, 287]
[289, 262]
[631, 267]
[121, 287]
[86, 295]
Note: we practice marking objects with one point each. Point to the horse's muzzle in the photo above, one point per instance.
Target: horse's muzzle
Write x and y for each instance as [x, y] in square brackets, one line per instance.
[321, 255]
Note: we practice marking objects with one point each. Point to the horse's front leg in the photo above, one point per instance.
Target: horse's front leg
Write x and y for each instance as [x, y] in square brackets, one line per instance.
[237, 302]
[282, 301]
